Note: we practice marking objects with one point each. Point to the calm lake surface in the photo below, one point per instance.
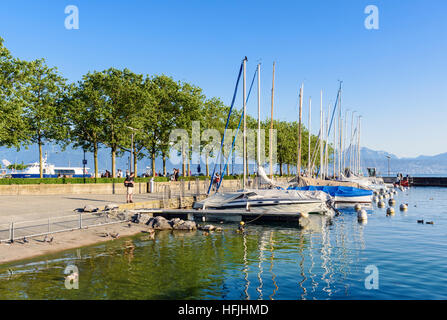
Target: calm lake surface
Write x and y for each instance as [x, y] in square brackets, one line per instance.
[326, 261]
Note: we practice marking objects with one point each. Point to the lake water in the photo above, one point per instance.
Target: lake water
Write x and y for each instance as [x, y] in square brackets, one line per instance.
[326, 261]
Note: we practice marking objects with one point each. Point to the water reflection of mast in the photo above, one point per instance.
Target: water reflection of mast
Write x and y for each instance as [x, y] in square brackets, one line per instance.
[245, 270]
[325, 253]
[262, 243]
[272, 256]
[303, 275]
[312, 264]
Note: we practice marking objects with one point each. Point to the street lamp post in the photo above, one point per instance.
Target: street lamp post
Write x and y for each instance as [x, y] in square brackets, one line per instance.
[84, 162]
[132, 150]
[388, 165]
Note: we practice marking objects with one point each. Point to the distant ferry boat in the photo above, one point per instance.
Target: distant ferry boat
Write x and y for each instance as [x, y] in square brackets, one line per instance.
[50, 171]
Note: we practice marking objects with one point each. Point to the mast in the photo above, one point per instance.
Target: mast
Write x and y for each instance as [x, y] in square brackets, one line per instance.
[358, 147]
[350, 144]
[308, 151]
[259, 117]
[271, 126]
[335, 149]
[341, 146]
[298, 166]
[339, 137]
[345, 143]
[321, 134]
[326, 155]
[245, 124]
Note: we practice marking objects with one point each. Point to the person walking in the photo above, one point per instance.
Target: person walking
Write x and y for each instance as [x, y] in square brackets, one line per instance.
[129, 183]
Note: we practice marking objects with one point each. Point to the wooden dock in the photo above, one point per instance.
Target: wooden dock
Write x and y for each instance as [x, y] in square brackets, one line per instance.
[222, 215]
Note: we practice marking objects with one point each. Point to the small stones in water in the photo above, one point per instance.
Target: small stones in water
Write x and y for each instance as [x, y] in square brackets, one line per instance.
[420, 221]
[381, 204]
[207, 228]
[161, 223]
[403, 207]
[429, 222]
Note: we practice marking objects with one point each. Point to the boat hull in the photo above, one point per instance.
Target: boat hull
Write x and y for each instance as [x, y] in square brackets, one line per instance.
[361, 199]
[268, 206]
[34, 175]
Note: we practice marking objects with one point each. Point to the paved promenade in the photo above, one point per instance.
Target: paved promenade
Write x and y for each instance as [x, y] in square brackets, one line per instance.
[22, 208]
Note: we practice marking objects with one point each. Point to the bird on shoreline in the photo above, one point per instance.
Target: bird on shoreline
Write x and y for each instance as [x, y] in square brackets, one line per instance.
[115, 235]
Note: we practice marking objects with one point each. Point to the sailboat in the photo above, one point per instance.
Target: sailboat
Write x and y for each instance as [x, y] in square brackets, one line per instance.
[265, 200]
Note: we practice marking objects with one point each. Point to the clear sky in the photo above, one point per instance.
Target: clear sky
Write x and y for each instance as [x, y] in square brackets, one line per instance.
[395, 77]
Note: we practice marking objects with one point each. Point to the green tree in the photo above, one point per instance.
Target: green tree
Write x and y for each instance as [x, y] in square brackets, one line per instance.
[191, 100]
[84, 113]
[212, 116]
[160, 114]
[42, 91]
[119, 99]
[12, 125]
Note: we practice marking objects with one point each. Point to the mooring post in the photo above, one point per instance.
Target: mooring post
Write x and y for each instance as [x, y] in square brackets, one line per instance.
[80, 221]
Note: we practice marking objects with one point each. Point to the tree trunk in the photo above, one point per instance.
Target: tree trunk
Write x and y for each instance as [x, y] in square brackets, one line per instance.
[288, 169]
[40, 159]
[207, 167]
[183, 162]
[164, 164]
[280, 169]
[135, 163]
[188, 173]
[113, 161]
[153, 163]
[95, 158]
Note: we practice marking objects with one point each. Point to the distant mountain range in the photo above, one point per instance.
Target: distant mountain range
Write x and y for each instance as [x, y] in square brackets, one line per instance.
[369, 158]
[436, 164]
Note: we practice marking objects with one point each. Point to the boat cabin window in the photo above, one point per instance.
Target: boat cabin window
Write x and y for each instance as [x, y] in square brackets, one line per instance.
[248, 195]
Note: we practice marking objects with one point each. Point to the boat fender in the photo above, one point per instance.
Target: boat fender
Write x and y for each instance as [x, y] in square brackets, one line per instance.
[362, 215]
[390, 211]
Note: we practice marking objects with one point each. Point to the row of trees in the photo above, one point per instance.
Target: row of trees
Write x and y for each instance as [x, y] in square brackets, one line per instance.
[113, 109]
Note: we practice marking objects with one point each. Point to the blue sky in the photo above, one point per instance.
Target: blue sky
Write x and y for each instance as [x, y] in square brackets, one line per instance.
[395, 77]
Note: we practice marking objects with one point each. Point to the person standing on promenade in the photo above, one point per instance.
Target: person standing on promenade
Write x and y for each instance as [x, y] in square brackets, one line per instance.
[129, 183]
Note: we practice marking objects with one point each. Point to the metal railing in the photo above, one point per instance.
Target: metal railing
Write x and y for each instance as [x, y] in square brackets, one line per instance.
[40, 227]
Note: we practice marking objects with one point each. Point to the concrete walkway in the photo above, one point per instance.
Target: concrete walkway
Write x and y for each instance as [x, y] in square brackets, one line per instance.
[22, 208]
